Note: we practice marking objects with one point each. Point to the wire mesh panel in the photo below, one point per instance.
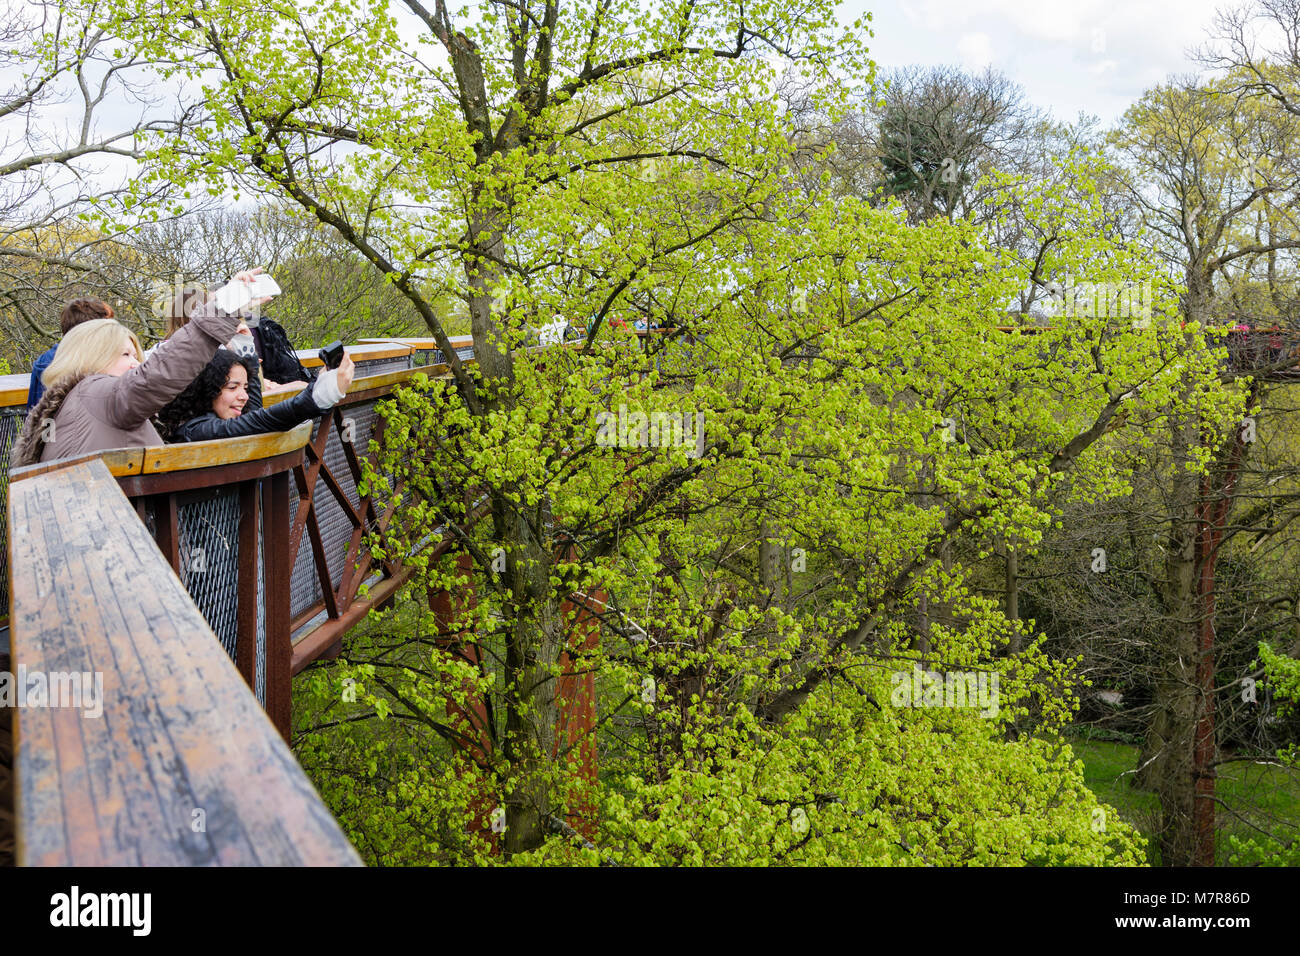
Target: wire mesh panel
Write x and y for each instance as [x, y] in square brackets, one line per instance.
[11, 420]
[304, 589]
[209, 547]
[380, 366]
[335, 524]
[464, 353]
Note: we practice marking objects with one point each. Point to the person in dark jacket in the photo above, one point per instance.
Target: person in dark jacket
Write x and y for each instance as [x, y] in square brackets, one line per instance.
[279, 360]
[213, 406]
[73, 314]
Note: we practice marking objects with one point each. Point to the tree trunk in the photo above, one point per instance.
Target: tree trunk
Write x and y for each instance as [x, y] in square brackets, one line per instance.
[1179, 755]
[1165, 763]
[1012, 594]
[769, 556]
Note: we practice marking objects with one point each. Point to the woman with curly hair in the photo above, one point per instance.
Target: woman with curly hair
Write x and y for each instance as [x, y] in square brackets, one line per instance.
[213, 404]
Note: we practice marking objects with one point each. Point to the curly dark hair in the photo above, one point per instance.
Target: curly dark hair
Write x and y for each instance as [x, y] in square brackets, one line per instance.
[199, 395]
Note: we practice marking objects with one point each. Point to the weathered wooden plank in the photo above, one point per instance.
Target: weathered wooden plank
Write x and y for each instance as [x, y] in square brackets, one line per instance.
[13, 388]
[122, 781]
[120, 462]
[224, 451]
[85, 783]
[180, 731]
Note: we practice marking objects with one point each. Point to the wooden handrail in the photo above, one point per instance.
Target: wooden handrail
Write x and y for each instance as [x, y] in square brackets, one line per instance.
[14, 388]
[156, 459]
[422, 343]
[365, 385]
[368, 350]
[182, 767]
[224, 451]
[119, 462]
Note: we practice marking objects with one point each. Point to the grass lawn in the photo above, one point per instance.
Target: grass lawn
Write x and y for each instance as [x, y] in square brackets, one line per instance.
[1254, 796]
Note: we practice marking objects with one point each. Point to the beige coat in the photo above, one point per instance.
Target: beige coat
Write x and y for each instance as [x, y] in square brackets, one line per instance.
[113, 411]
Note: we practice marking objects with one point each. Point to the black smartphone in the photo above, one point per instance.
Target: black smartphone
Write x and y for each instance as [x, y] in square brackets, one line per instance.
[332, 354]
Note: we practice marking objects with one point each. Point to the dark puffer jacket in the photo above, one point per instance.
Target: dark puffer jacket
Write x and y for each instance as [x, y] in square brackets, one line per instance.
[277, 418]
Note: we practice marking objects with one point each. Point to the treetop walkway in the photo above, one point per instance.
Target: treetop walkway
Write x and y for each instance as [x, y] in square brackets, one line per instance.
[182, 767]
[197, 579]
[194, 581]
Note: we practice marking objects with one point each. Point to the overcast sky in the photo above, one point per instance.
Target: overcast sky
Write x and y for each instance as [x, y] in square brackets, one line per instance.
[1097, 56]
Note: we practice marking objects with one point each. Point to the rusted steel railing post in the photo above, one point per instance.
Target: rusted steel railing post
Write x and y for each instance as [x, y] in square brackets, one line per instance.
[473, 721]
[277, 565]
[247, 583]
[575, 738]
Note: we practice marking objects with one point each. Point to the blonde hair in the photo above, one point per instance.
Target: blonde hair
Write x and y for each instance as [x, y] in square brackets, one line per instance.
[90, 348]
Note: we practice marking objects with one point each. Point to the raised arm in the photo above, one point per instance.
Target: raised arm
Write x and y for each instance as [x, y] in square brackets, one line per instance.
[309, 403]
[277, 418]
[138, 394]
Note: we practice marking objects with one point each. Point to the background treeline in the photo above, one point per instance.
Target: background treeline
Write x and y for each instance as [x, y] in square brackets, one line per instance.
[329, 291]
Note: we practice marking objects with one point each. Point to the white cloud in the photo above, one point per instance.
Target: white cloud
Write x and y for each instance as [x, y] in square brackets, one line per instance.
[1096, 56]
[976, 50]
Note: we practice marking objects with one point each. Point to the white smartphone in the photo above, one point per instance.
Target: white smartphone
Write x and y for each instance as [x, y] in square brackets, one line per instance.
[234, 296]
[264, 286]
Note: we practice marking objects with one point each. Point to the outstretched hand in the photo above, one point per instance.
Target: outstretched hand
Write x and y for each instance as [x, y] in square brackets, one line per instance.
[347, 368]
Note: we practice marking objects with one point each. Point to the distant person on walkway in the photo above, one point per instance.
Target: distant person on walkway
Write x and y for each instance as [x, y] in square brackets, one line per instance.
[73, 314]
[280, 364]
[188, 298]
[215, 405]
[100, 395]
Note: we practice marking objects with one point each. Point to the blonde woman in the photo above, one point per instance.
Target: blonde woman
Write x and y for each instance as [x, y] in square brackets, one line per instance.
[100, 391]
